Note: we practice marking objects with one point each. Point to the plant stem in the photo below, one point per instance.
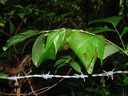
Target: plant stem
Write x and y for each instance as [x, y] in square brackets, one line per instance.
[5, 33]
[120, 38]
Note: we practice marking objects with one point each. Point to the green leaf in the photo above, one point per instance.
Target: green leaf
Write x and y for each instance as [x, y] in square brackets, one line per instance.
[25, 19]
[11, 13]
[125, 30]
[84, 46]
[21, 15]
[90, 69]
[60, 66]
[30, 9]
[94, 90]
[37, 50]
[3, 75]
[3, 55]
[60, 61]
[19, 38]
[53, 43]
[105, 28]
[11, 28]
[72, 93]
[100, 48]
[109, 50]
[126, 64]
[113, 20]
[125, 81]
[19, 6]
[76, 66]
[127, 47]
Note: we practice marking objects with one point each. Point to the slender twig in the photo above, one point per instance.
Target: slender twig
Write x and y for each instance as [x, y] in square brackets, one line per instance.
[5, 33]
[19, 26]
[120, 37]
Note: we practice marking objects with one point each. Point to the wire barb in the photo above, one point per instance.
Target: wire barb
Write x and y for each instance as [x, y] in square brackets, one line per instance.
[110, 73]
[77, 76]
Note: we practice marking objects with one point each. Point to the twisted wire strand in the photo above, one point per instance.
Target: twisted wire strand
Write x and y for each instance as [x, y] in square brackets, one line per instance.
[77, 76]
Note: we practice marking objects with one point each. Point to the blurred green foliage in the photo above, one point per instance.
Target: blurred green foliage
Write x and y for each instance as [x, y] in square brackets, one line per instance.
[105, 17]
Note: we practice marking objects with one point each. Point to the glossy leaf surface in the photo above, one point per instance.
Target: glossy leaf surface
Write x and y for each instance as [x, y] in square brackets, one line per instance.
[100, 48]
[19, 38]
[38, 49]
[84, 46]
[53, 43]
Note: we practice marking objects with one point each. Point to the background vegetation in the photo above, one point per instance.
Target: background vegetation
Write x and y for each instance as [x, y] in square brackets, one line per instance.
[18, 16]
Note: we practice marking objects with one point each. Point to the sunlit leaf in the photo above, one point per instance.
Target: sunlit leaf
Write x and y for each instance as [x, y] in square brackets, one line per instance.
[90, 69]
[84, 46]
[100, 48]
[113, 20]
[38, 49]
[53, 43]
[19, 38]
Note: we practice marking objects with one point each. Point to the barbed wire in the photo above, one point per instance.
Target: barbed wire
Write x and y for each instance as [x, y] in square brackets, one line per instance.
[77, 76]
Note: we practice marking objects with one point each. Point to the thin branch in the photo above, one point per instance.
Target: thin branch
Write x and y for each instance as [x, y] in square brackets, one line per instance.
[120, 37]
[19, 26]
[5, 33]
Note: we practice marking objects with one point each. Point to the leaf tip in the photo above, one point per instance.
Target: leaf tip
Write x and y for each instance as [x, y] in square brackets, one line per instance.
[5, 48]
